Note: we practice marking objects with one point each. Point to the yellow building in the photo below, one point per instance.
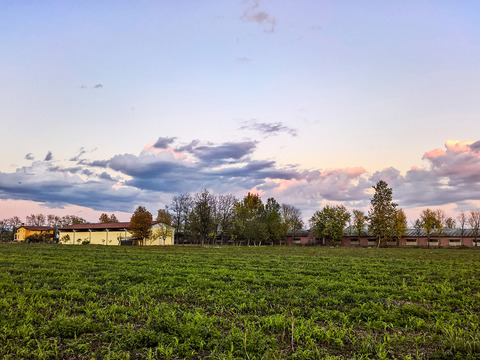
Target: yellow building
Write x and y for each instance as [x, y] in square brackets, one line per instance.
[114, 234]
[25, 231]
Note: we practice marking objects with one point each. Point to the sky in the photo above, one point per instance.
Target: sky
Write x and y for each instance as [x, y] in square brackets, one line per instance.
[108, 105]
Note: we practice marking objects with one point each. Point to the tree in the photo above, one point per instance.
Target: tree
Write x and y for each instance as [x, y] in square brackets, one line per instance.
[225, 215]
[450, 223]
[141, 223]
[292, 219]
[5, 231]
[400, 225]
[382, 212]
[275, 227]
[462, 221]
[429, 222]
[441, 216]
[474, 221]
[330, 222]
[202, 215]
[181, 208]
[249, 219]
[105, 219]
[14, 223]
[164, 216]
[359, 222]
[36, 220]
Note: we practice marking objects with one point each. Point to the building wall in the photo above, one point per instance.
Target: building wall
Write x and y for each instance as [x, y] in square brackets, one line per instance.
[160, 236]
[100, 237]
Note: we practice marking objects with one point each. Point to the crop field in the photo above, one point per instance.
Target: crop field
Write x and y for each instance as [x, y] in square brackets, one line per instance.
[99, 302]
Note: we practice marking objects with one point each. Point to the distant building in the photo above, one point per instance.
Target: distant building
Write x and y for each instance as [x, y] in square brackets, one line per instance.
[114, 234]
[24, 231]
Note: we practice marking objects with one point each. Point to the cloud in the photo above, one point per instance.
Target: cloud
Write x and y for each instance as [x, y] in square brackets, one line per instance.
[49, 156]
[244, 59]
[80, 153]
[252, 13]
[268, 129]
[164, 142]
[29, 156]
[451, 175]
[58, 189]
[98, 86]
[224, 152]
[475, 146]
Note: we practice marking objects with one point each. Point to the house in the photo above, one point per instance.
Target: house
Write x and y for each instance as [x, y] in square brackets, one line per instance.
[114, 234]
[24, 231]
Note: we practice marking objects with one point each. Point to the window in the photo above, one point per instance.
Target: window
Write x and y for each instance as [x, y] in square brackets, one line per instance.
[372, 242]
[433, 242]
[411, 242]
[454, 242]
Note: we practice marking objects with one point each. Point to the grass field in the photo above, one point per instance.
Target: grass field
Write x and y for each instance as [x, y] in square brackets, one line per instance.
[91, 302]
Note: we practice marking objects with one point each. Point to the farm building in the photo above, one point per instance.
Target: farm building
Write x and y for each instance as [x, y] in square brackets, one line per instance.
[114, 234]
[419, 238]
[24, 231]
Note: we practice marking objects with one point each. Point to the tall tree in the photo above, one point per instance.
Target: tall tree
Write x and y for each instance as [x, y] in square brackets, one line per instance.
[450, 223]
[202, 215]
[474, 221]
[429, 222]
[382, 212]
[330, 222]
[359, 222]
[273, 221]
[113, 218]
[164, 216]
[462, 221]
[141, 224]
[442, 217]
[225, 215]
[249, 219]
[400, 225]
[292, 219]
[181, 208]
[104, 218]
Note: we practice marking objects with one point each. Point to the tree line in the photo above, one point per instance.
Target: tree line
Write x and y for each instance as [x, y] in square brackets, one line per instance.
[206, 218]
[386, 222]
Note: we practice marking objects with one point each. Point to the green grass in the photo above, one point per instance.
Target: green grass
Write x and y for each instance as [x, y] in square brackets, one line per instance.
[90, 302]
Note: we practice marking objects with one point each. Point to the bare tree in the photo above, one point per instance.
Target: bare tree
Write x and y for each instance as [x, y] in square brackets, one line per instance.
[225, 215]
[474, 221]
[462, 221]
[292, 218]
[180, 208]
[36, 220]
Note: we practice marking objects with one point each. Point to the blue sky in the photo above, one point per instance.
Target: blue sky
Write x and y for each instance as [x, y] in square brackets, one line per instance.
[308, 101]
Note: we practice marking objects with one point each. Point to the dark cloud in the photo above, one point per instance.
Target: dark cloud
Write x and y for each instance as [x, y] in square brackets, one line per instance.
[268, 129]
[226, 151]
[164, 142]
[475, 146]
[80, 153]
[56, 189]
[189, 147]
[252, 13]
[49, 156]
[98, 86]
[29, 156]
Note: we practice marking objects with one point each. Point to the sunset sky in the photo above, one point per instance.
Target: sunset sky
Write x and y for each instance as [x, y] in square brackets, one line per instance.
[107, 105]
